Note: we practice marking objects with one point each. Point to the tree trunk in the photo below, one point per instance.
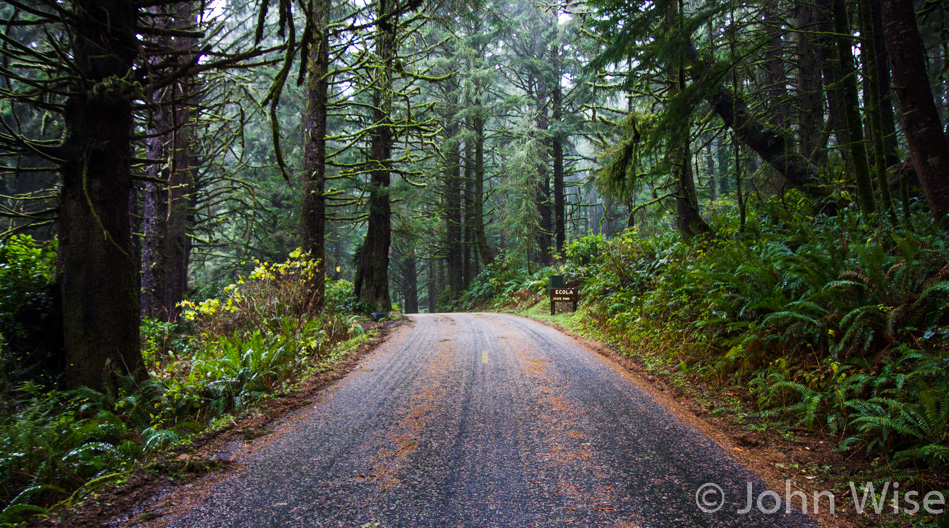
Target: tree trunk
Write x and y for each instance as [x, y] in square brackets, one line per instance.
[451, 200]
[542, 192]
[927, 142]
[313, 215]
[884, 87]
[810, 109]
[372, 274]
[410, 279]
[469, 262]
[560, 210]
[432, 286]
[688, 219]
[774, 146]
[166, 249]
[826, 45]
[851, 108]
[98, 274]
[875, 121]
[487, 256]
[774, 72]
[557, 139]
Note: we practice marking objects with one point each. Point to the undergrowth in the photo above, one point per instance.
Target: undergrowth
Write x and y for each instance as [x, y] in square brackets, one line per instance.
[225, 354]
[832, 324]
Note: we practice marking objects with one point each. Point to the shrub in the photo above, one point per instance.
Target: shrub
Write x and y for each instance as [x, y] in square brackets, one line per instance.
[31, 347]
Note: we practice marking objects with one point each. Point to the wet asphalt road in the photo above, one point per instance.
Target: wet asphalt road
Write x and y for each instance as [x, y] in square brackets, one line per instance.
[480, 420]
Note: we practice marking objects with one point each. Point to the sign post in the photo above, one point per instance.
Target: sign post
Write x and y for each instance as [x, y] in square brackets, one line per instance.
[570, 295]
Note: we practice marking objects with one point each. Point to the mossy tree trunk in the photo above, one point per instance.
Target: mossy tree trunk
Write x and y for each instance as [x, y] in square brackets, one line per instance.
[372, 273]
[854, 142]
[169, 193]
[313, 216]
[688, 220]
[484, 249]
[98, 273]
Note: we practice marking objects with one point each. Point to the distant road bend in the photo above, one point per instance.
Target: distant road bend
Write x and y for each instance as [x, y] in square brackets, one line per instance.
[480, 420]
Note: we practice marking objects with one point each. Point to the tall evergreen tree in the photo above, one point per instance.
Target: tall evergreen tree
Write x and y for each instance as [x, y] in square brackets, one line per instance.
[313, 216]
[925, 135]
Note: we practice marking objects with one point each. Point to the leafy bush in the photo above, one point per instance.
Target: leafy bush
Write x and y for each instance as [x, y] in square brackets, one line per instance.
[270, 293]
[495, 285]
[252, 342]
[340, 298]
[31, 347]
[585, 251]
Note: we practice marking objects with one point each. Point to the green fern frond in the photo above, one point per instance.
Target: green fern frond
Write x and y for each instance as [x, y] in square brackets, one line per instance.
[158, 438]
[90, 447]
[934, 455]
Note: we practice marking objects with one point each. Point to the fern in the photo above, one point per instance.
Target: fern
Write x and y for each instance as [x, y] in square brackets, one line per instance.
[158, 438]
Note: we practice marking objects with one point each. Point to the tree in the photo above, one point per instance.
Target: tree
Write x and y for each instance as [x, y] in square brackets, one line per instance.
[98, 270]
[852, 131]
[688, 219]
[924, 133]
[313, 216]
[372, 279]
[169, 190]
[90, 70]
[810, 106]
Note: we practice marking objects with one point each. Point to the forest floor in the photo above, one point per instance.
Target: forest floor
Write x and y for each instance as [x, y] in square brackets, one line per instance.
[785, 456]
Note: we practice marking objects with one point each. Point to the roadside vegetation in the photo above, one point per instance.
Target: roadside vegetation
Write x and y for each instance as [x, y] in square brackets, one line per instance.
[254, 340]
[826, 323]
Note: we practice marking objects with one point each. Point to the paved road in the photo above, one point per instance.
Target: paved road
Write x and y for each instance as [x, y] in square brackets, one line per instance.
[480, 420]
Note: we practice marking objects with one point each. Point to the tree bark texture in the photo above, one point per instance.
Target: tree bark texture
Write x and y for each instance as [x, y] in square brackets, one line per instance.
[774, 71]
[452, 211]
[98, 274]
[484, 249]
[810, 108]
[469, 263]
[432, 286]
[826, 45]
[556, 151]
[884, 86]
[169, 194]
[874, 113]
[545, 228]
[927, 142]
[313, 215]
[688, 220]
[410, 281]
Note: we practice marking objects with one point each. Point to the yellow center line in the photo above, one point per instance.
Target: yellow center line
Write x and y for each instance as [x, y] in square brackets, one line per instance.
[484, 357]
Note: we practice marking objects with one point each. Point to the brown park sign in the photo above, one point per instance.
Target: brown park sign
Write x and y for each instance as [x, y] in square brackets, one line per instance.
[570, 295]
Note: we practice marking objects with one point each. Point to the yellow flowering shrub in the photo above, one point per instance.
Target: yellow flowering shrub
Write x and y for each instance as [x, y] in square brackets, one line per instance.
[268, 294]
